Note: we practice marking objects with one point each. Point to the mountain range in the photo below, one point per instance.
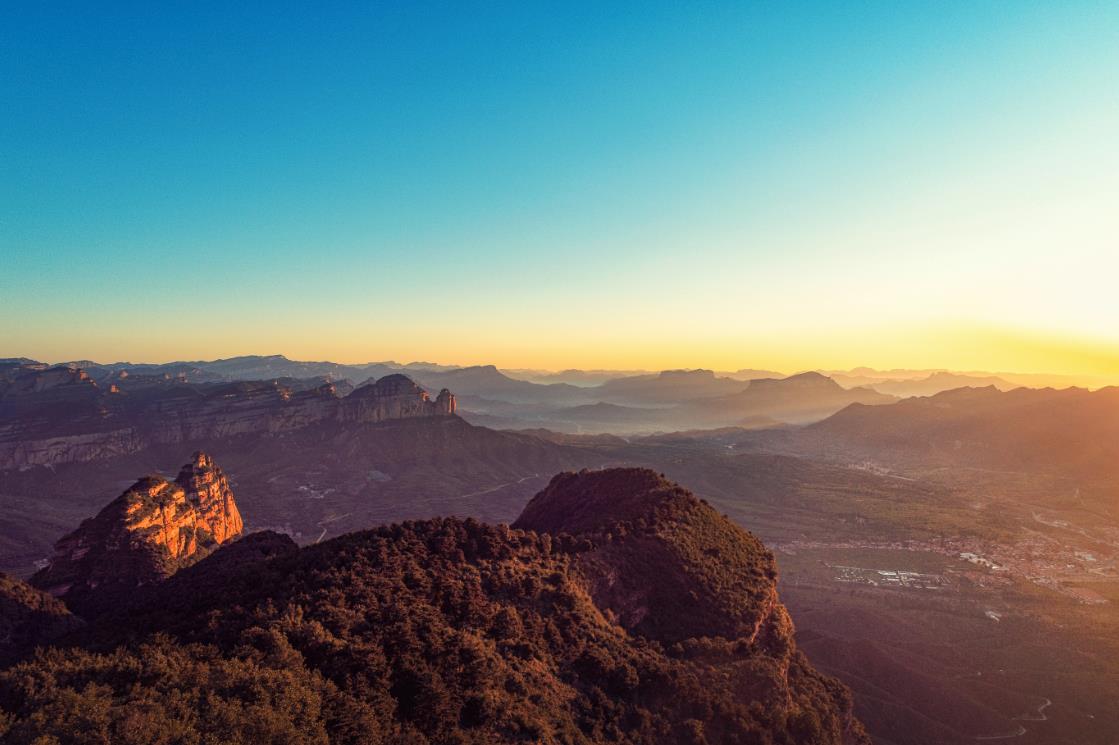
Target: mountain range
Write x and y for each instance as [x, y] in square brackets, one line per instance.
[1073, 431]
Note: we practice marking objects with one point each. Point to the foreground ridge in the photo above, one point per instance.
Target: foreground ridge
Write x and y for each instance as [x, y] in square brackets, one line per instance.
[454, 631]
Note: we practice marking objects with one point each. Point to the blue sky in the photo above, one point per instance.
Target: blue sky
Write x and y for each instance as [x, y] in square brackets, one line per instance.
[782, 185]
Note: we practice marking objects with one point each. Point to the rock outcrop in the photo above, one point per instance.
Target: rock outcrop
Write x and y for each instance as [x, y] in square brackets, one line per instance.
[146, 534]
[393, 397]
[60, 415]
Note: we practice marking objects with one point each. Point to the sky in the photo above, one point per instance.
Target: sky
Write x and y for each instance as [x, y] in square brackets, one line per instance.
[647, 185]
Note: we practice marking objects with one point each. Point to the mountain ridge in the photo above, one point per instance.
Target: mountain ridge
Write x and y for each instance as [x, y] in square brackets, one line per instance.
[435, 631]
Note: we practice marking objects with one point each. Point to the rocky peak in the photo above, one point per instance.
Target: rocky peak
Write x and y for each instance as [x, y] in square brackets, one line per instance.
[394, 396]
[665, 565]
[150, 531]
[445, 402]
[668, 565]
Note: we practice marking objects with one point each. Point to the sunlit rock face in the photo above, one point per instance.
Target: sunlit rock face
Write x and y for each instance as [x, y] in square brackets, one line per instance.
[146, 534]
[59, 415]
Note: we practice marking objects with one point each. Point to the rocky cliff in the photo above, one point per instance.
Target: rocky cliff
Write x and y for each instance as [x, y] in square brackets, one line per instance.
[61, 415]
[146, 534]
[393, 397]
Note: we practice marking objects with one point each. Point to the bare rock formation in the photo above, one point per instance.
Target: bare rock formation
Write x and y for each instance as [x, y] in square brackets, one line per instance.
[146, 534]
[393, 397]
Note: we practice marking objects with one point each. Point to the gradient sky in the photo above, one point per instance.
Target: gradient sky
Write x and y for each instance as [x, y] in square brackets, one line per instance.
[774, 185]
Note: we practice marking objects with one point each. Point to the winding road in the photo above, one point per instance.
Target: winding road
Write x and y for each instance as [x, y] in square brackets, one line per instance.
[1040, 716]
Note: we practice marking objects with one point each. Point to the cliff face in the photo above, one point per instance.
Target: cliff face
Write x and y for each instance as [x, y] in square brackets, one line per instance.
[393, 397]
[147, 533]
[60, 415]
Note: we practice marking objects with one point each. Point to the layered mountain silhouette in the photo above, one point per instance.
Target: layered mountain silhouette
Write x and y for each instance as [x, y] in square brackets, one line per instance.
[62, 415]
[1074, 431]
[619, 609]
[796, 399]
[668, 387]
[935, 383]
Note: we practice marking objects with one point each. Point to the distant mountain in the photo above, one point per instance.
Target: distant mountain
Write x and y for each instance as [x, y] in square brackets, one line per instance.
[455, 631]
[604, 415]
[586, 378]
[796, 399]
[1071, 431]
[749, 373]
[936, 383]
[591, 378]
[868, 376]
[681, 399]
[247, 367]
[62, 415]
[667, 387]
[487, 381]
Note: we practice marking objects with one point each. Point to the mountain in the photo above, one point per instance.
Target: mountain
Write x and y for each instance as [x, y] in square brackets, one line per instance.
[591, 378]
[573, 376]
[937, 383]
[248, 367]
[796, 399]
[1074, 431]
[868, 376]
[62, 415]
[604, 417]
[452, 631]
[654, 543]
[667, 387]
[486, 381]
[149, 532]
[750, 373]
[681, 399]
